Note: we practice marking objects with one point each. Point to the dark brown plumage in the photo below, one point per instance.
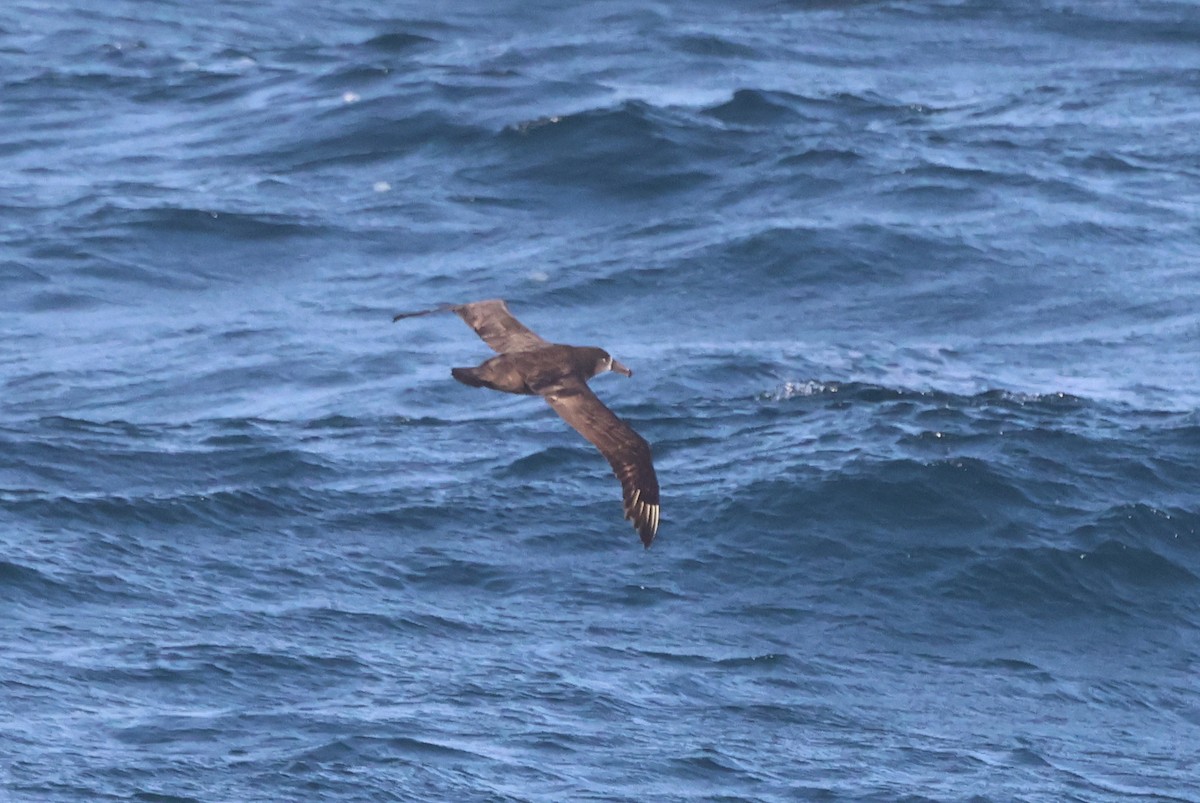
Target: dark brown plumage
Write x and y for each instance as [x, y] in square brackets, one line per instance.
[527, 364]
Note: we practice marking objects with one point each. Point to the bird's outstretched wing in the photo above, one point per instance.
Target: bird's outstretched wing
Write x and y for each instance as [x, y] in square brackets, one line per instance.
[492, 321]
[626, 451]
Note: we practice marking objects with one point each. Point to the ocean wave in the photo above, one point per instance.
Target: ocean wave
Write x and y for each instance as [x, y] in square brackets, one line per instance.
[634, 148]
[998, 398]
[1112, 580]
[167, 220]
[398, 42]
[756, 107]
[20, 583]
[374, 130]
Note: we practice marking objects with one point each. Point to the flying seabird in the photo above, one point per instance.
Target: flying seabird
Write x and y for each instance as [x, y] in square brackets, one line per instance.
[529, 365]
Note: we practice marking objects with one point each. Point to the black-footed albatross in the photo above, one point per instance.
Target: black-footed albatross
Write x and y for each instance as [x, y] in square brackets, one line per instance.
[529, 365]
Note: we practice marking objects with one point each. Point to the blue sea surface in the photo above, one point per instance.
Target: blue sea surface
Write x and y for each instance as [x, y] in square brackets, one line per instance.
[911, 292]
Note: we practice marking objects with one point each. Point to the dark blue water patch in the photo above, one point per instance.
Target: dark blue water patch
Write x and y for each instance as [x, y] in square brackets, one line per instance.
[171, 223]
[374, 626]
[1134, 566]
[1149, 534]
[367, 132]
[215, 508]
[842, 109]
[140, 75]
[633, 150]
[715, 46]
[822, 158]
[99, 457]
[20, 584]
[1109, 162]
[946, 189]
[58, 86]
[31, 592]
[758, 108]
[360, 76]
[347, 753]
[1163, 24]
[13, 273]
[1047, 583]
[969, 500]
[912, 506]
[398, 42]
[796, 258]
[436, 571]
[60, 302]
[543, 463]
[790, 263]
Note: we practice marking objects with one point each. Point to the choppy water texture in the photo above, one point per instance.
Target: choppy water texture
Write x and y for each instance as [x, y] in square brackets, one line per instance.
[910, 290]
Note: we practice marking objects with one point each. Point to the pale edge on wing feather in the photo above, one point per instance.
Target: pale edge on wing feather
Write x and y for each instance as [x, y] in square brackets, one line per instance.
[641, 511]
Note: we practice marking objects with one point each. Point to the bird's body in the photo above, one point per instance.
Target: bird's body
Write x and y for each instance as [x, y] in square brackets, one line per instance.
[526, 364]
[532, 371]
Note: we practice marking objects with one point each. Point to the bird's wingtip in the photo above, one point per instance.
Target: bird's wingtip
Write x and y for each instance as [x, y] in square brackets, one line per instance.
[443, 307]
[647, 529]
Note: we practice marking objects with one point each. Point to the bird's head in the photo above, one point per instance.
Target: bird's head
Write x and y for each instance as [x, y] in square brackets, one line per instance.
[605, 362]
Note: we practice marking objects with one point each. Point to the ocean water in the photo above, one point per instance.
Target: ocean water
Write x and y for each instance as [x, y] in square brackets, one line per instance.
[911, 291]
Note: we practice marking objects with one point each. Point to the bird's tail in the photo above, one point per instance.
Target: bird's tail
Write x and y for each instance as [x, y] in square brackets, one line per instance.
[438, 308]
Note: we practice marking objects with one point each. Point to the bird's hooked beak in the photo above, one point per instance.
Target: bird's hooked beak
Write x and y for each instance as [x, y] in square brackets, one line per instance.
[620, 369]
